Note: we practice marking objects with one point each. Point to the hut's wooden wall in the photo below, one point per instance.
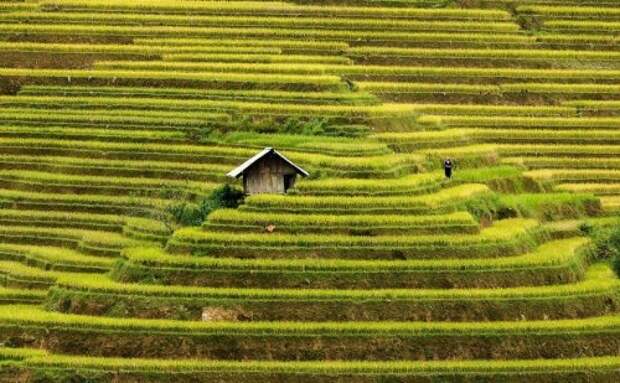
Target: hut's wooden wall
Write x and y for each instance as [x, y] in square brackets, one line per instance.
[267, 176]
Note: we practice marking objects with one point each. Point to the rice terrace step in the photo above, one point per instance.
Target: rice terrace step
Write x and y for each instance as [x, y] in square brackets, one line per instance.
[287, 191]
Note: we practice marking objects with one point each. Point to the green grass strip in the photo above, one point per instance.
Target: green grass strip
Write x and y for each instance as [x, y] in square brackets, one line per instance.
[53, 258]
[331, 368]
[304, 143]
[425, 201]
[35, 277]
[351, 111]
[269, 7]
[274, 33]
[235, 21]
[103, 134]
[36, 358]
[233, 219]
[569, 11]
[599, 279]
[20, 353]
[123, 117]
[359, 202]
[551, 254]
[34, 316]
[595, 105]
[92, 166]
[560, 150]
[325, 80]
[594, 188]
[188, 93]
[102, 239]
[494, 110]
[488, 54]
[234, 67]
[576, 175]
[52, 179]
[126, 49]
[582, 26]
[550, 162]
[532, 122]
[512, 235]
[412, 184]
[20, 295]
[319, 46]
[257, 58]
[479, 74]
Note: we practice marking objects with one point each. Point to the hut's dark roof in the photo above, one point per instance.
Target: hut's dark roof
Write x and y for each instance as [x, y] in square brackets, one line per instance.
[244, 166]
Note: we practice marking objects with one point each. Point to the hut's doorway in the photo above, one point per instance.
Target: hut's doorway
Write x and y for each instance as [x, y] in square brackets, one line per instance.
[289, 181]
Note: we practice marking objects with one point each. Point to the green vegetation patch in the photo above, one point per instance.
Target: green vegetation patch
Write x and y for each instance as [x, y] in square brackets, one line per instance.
[79, 294]
[573, 337]
[506, 237]
[236, 220]
[553, 262]
[442, 200]
[304, 371]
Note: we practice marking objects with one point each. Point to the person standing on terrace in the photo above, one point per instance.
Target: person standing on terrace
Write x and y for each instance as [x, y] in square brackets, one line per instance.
[447, 167]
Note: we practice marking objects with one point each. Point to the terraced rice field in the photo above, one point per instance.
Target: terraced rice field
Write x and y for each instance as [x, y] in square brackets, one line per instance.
[114, 113]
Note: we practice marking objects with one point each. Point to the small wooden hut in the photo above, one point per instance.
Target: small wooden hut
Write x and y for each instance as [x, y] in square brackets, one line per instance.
[268, 172]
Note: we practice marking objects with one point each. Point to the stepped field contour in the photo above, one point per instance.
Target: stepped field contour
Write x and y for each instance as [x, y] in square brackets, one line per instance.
[255, 191]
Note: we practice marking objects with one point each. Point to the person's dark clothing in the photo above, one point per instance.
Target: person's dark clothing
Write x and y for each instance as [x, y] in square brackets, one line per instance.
[447, 167]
